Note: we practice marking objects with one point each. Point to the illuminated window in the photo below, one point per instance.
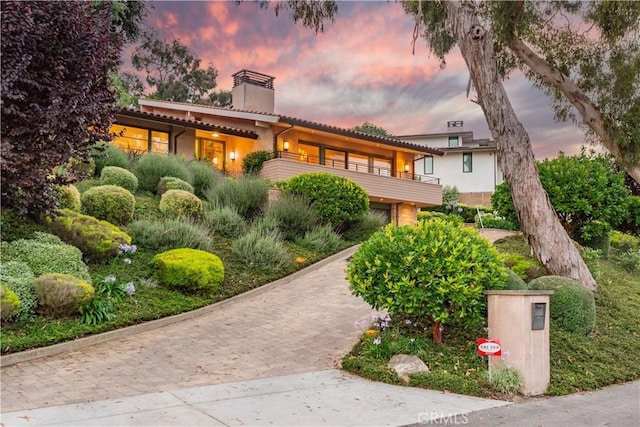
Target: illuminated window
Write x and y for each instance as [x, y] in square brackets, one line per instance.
[133, 139]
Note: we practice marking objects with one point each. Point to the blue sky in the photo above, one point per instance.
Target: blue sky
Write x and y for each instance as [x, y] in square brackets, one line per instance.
[360, 69]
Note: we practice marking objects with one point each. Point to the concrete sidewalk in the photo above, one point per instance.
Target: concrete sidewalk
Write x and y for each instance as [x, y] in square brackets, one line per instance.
[325, 398]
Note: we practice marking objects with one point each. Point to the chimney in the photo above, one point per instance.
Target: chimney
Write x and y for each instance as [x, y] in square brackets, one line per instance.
[455, 126]
[253, 91]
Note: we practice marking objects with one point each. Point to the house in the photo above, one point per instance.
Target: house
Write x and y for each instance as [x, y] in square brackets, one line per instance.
[384, 167]
[470, 164]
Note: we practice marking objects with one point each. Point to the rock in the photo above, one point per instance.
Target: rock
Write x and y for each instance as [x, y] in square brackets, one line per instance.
[405, 365]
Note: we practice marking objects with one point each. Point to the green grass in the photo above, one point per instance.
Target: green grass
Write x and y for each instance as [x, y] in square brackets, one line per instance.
[609, 355]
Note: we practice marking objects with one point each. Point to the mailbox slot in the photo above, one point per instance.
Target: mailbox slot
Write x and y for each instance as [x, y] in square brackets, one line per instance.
[538, 310]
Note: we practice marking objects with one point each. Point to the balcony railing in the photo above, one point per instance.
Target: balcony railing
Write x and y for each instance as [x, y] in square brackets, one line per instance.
[357, 167]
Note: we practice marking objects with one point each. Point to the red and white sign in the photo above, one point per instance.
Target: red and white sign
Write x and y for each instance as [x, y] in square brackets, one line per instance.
[489, 347]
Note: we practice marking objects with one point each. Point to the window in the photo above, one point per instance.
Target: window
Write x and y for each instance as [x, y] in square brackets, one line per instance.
[428, 165]
[140, 140]
[467, 162]
[453, 142]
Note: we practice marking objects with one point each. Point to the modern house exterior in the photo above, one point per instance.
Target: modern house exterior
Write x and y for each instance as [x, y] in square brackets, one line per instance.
[384, 167]
[472, 165]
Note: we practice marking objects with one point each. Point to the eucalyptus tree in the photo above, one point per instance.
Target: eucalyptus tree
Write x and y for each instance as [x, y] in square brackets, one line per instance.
[594, 70]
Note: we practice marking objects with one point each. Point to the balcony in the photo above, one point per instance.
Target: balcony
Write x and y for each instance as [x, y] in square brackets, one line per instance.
[382, 184]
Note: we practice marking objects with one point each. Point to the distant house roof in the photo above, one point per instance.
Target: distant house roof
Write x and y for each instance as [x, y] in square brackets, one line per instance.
[276, 118]
[179, 121]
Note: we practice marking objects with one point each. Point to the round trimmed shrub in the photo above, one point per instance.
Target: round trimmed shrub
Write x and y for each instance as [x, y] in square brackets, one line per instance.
[109, 203]
[98, 240]
[9, 303]
[62, 295]
[173, 183]
[18, 277]
[180, 204]
[152, 167]
[433, 270]
[338, 200]
[190, 270]
[114, 175]
[68, 197]
[105, 154]
[573, 306]
[514, 282]
[43, 257]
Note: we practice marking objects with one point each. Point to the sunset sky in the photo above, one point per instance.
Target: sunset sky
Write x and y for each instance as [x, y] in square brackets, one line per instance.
[360, 69]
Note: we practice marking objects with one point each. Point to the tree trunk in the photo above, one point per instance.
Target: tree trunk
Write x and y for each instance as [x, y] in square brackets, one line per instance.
[541, 228]
[436, 332]
[589, 112]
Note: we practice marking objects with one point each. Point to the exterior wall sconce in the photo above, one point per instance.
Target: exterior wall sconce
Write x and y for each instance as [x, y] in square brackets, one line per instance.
[406, 167]
[285, 146]
[232, 155]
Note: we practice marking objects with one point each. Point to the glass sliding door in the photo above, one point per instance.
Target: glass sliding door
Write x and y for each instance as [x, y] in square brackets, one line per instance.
[211, 151]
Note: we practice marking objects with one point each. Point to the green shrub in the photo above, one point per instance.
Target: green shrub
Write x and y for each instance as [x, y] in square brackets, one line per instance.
[152, 167]
[631, 220]
[110, 203]
[623, 242]
[105, 154]
[505, 379]
[163, 234]
[294, 216]
[98, 240]
[467, 212]
[338, 200]
[68, 197]
[526, 268]
[489, 220]
[262, 251]
[573, 307]
[205, 176]
[9, 304]
[320, 239]
[630, 260]
[362, 229]
[450, 195]
[247, 195]
[14, 226]
[591, 257]
[43, 257]
[62, 295]
[267, 225]
[597, 235]
[114, 175]
[18, 277]
[514, 282]
[86, 184]
[252, 162]
[453, 218]
[173, 183]
[180, 204]
[189, 270]
[431, 270]
[225, 221]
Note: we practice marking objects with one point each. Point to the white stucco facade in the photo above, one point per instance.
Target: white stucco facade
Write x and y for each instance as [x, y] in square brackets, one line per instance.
[470, 165]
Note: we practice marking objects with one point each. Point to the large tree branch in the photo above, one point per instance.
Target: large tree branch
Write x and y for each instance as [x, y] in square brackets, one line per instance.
[590, 113]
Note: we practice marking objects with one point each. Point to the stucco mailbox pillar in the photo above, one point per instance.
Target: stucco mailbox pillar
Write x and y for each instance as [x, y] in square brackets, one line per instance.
[520, 320]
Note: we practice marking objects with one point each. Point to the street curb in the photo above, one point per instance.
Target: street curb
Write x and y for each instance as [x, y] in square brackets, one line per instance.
[52, 350]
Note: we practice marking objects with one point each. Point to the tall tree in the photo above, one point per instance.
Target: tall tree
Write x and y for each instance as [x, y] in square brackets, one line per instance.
[444, 24]
[173, 70]
[56, 96]
[372, 129]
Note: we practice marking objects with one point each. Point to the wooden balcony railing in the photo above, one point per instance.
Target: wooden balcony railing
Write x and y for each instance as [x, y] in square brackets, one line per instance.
[357, 167]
